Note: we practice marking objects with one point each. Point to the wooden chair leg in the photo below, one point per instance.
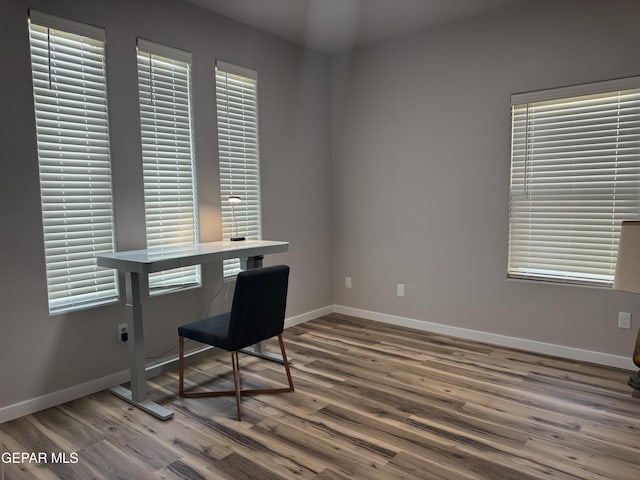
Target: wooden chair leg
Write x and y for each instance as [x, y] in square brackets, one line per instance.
[236, 381]
[237, 391]
[286, 362]
[181, 366]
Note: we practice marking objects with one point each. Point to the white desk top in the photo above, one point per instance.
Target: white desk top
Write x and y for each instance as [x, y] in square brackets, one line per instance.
[158, 259]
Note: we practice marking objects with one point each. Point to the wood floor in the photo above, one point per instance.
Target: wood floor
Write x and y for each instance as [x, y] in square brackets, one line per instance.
[372, 401]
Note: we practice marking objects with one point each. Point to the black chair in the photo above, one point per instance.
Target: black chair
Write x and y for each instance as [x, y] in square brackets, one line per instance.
[257, 314]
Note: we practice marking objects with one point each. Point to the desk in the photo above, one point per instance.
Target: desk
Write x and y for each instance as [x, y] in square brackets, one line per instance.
[137, 264]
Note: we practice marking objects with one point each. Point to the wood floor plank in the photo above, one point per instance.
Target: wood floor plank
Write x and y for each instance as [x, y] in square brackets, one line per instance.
[371, 401]
[124, 434]
[247, 443]
[110, 462]
[35, 440]
[408, 466]
[239, 467]
[179, 470]
[351, 461]
[22, 470]
[592, 463]
[330, 474]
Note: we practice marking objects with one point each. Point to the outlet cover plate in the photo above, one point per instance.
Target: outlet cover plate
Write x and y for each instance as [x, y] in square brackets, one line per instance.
[122, 328]
[624, 320]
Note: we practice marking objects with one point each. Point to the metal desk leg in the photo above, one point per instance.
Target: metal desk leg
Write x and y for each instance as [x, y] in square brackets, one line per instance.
[136, 284]
[251, 262]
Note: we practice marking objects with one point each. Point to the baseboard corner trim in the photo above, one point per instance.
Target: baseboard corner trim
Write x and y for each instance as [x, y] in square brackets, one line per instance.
[308, 316]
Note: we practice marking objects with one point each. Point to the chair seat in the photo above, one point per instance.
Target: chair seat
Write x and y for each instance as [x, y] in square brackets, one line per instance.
[211, 331]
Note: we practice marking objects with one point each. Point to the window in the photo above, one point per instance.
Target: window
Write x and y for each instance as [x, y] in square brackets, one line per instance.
[237, 106]
[72, 130]
[164, 78]
[575, 175]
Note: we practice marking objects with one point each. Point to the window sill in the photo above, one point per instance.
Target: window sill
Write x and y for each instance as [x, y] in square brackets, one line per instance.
[567, 283]
[84, 306]
[168, 290]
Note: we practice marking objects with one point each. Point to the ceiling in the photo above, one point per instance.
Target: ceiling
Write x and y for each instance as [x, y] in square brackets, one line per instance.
[330, 26]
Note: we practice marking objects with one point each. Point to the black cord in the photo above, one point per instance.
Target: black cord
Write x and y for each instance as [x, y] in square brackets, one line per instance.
[162, 354]
[215, 295]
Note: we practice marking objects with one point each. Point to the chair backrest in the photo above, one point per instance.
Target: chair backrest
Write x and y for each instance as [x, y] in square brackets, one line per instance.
[259, 303]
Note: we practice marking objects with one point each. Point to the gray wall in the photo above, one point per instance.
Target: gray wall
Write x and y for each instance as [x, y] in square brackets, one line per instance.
[42, 354]
[421, 169]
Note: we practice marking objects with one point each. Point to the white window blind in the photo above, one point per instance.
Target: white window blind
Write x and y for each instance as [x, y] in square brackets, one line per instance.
[70, 100]
[237, 110]
[575, 175]
[164, 78]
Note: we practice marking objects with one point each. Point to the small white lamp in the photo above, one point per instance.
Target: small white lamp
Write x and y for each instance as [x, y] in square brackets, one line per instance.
[627, 277]
[233, 199]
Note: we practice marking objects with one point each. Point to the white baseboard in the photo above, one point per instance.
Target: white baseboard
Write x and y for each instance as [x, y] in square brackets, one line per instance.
[494, 339]
[32, 405]
[305, 317]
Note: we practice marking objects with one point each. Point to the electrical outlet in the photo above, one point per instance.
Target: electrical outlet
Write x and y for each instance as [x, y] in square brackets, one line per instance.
[400, 289]
[624, 320]
[347, 282]
[123, 332]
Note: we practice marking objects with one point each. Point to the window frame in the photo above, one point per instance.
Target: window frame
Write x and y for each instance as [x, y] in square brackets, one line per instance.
[574, 127]
[169, 170]
[74, 160]
[238, 154]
